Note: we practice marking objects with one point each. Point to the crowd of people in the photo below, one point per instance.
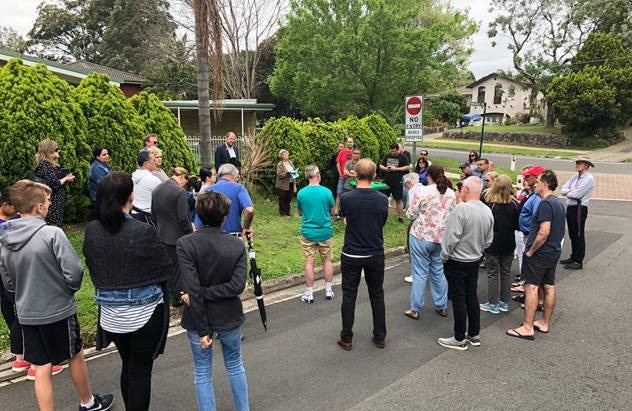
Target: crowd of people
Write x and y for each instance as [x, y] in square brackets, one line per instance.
[161, 239]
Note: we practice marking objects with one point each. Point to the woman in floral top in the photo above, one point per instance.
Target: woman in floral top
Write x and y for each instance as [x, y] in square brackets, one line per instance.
[429, 208]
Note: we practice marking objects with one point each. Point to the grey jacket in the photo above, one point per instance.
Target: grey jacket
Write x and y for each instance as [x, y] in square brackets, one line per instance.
[170, 210]
[38, 263]
[469, 232]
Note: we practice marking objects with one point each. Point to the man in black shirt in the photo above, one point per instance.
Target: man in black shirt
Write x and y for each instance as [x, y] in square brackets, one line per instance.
[543, 246]
[365, 212]
[394, 165]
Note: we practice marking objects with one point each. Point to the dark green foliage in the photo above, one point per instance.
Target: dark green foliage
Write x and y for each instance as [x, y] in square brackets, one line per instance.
[384, 133]
[286, 133]
[363, 137]
[112, 121]
[158, 119]
[34, 105]
[323, 140]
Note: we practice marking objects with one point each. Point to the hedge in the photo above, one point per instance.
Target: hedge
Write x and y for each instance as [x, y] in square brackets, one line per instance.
[158, 119]
[112, 121]
[35, 105]
[315, 141]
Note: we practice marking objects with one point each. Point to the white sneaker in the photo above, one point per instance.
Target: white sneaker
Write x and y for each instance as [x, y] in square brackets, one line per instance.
[453, 343]
[408, 278]
[329, 295]
[307, 298]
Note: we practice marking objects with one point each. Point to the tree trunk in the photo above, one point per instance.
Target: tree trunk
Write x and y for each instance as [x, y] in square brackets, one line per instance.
[550, 117]
[201, 48]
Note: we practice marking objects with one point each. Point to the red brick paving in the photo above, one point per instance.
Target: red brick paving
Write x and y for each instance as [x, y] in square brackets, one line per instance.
[607, 186]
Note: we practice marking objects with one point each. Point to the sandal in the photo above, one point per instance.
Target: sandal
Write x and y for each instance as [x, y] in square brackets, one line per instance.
[517, 289]
[519, 298]
[539, 308]
[412, 314]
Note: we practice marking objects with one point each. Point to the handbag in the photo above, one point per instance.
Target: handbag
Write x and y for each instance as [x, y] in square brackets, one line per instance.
[35, 178]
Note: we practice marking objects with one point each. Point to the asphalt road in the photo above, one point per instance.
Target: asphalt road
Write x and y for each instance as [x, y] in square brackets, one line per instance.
[504, 160]
[585, 361]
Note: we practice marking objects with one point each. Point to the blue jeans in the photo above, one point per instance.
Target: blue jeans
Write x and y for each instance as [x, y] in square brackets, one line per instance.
[203, 370]
[426, 259]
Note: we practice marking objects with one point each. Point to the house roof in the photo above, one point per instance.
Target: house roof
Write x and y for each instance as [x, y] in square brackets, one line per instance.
[228, 105]
[111, 72]
[496, 75]
[73, 72]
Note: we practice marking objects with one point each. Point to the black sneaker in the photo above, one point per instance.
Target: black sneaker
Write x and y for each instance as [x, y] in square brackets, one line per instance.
[101, 403]
[574, 266]
[400, 220]
[567, 261]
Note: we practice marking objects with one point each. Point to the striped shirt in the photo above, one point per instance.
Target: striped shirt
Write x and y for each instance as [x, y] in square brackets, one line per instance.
[122, 319]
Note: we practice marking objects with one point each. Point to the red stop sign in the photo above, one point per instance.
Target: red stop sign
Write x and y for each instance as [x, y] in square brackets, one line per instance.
[414, 106]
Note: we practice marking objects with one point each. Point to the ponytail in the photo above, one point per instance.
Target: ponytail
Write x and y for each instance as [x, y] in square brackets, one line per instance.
[437, 175]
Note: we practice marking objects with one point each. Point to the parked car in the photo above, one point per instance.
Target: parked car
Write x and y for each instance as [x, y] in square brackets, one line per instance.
[467, 119]
[477, 122]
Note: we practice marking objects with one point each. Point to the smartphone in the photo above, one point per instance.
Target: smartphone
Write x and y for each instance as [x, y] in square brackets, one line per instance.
[63, 172]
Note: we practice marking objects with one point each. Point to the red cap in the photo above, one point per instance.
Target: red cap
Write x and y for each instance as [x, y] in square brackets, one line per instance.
[533, 171]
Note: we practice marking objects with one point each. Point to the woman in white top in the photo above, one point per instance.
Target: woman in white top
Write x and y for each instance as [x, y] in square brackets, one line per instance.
[429, 208]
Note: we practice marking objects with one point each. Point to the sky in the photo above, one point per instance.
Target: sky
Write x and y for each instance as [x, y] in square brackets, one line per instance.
[20, 15]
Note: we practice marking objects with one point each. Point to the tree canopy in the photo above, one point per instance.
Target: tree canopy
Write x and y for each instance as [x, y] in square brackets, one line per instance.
[335, 58]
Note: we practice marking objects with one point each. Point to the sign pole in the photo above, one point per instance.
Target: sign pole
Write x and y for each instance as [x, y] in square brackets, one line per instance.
[480, 147]
[414, 150]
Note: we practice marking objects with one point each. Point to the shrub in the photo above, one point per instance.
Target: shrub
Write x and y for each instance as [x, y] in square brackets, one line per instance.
[158, 119]
[285, 133]
[384, 133]
[34, 105]
[323, 141]
[362, 135]
[112, 121]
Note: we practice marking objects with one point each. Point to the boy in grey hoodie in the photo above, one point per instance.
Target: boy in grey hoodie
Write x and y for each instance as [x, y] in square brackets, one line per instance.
[40, 266]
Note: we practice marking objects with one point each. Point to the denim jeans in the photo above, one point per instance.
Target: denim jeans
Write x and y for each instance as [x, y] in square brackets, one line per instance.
[425, 259]
[462, 281]
[203, 370]
[374, 276]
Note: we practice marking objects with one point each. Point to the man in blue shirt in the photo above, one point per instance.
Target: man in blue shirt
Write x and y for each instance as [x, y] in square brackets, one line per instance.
[316, 206]
[240, 202]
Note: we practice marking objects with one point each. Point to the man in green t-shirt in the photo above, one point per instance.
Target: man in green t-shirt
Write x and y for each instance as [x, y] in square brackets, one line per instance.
[316, 206]
[350, 168]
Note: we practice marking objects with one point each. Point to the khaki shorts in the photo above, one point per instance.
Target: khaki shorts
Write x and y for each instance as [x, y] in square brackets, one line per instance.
[324, 248]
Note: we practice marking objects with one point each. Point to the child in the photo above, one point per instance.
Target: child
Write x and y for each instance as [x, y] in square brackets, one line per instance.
[39, 265]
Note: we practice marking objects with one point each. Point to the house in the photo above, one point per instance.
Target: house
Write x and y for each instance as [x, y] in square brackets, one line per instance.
[505, 97]
[73, 73]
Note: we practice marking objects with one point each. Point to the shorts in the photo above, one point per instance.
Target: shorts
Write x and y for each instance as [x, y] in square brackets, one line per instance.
[324, 248]
[538, 271]
[396, 190]
[341, 185]
[52, 343]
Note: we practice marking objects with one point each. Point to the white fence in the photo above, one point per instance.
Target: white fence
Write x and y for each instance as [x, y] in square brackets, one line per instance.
[194, 145]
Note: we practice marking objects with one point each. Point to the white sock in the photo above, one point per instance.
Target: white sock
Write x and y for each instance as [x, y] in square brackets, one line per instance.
[89, 404]
[310, 291]
[328, 286]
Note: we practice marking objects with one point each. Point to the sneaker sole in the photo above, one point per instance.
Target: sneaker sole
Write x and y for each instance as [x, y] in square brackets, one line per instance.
[487, 310]
[503, 311]
[32, 377]
[307, 301]
[20, 369]
[454, 347]
[474, 344]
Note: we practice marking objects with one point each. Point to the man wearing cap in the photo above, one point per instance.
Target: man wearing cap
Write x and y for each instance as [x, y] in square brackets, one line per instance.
[578, 190]
[528, 206]
[466, 170]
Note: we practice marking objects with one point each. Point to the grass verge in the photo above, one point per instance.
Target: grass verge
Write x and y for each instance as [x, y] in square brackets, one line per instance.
[467, 145]
[516, 128]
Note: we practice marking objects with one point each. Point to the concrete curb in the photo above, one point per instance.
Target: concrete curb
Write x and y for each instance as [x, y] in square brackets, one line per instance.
[291, 280]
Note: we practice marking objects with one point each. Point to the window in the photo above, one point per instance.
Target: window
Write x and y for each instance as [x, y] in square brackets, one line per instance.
[512, 91]
[481, 94]
[498, 94]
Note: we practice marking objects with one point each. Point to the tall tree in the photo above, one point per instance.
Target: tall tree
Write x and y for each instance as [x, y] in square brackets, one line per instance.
[174, 75]
[337, 57]
[543, 37]
[610, 16]
[208, 44]
[10, 39]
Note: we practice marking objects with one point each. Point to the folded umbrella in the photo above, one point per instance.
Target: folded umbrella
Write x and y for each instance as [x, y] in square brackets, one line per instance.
[255, 274]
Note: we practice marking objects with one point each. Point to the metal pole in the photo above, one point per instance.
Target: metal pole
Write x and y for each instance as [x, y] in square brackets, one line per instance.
[414, 150]
[480, 147]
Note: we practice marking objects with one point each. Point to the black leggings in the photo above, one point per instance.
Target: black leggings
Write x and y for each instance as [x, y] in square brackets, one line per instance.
[11, 318]
[137, 351]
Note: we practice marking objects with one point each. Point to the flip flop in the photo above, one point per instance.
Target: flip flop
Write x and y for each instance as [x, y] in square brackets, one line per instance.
[516, 334]
[517, 289]
[537, 328]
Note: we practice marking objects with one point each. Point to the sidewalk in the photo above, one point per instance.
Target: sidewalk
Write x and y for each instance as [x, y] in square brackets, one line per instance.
[607, 186]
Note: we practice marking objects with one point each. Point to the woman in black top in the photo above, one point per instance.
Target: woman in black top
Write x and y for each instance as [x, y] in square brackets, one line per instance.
[47, 169]
[499, 255]
[212, 268]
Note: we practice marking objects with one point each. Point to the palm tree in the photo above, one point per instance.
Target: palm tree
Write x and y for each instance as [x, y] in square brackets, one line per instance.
[208, 45]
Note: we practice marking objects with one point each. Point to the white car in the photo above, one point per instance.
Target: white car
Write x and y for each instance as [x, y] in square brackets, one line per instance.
[476, 122]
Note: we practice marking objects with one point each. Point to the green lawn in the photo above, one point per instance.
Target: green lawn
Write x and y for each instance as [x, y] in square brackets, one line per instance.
[276, 240]
[516, 128]
[498, 148]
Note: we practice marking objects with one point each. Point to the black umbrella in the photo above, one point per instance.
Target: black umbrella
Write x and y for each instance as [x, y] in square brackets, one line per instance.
[255, 274]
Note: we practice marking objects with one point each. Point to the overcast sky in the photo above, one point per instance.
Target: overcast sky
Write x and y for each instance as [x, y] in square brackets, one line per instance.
[20, 15]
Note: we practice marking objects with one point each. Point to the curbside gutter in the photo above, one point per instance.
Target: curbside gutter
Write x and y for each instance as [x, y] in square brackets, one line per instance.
[277, 284]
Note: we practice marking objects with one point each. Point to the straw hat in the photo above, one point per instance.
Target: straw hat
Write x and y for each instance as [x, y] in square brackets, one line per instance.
[586, 160]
